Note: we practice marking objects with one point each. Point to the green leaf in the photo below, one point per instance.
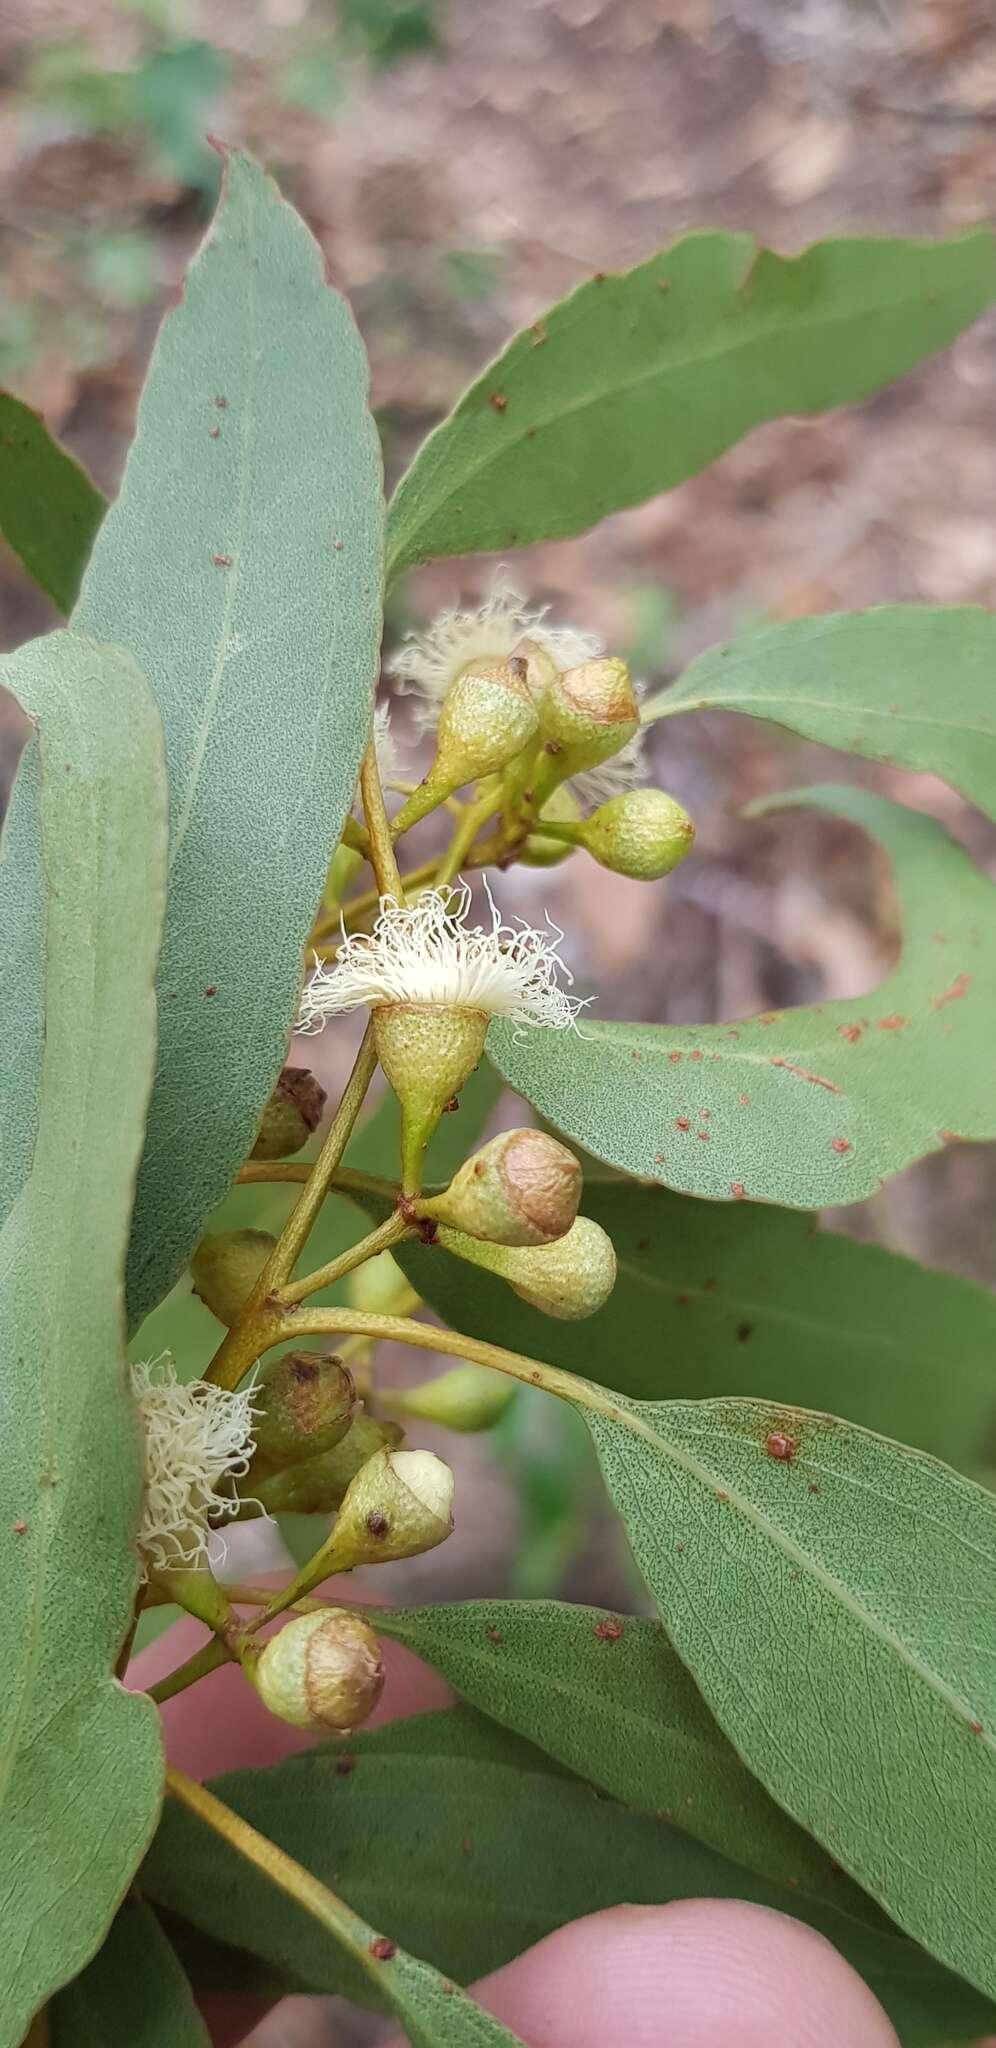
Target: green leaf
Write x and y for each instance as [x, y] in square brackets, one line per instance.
[22, 972]
[242, 566]
[606, 1696]
[742, 1298]
[640, 378]
[907, 684]
[49, 509]
[806, 1107]
[134, 1994]
[81, 1770]
[834, 1597]
[472, 1848]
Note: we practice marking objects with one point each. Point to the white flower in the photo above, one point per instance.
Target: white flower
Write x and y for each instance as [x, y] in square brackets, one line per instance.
[425, 952]
[430, 661]
[385, 747]
[195, 1436]
[622, 772]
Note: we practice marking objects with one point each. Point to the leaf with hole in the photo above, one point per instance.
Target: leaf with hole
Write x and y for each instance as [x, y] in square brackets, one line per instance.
[82, 1765]
[242, 566]
[810, 1106]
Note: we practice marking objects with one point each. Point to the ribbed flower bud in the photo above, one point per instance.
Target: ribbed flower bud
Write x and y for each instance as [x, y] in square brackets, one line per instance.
[468, 1398]
[226, 1267]
[428, 1051]
[586, 715]
[321, 1671]
[293, 1112]
[399, 1504]
[570, 1278]
[317, 1486]
[522, 1188]
[643, 833]
[487, 717]
[379, 1288]
[304, 1404]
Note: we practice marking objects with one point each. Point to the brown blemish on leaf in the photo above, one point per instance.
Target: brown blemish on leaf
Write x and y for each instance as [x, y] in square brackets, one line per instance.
[680, 1548]
[214, 433]
[743, 1332]
[778, 1445]
[674, 1055]
[221, 401]
[976, 1727]
[493, 1634]
[849, 1032]
[212, 989]
[737, 1190]
[818, 1080]
[695, 1055]
[18, 1527]
[660, 1158]
[841, 1144]
[382, 1948]
[345, 1765]
[466, 1846]
[812, 1487]
[222, 561]
[497, 401]
[703, 1134]
[893, 1022]
[608, 1631]
[538, 332]
[681, 1123]
[953, 994]
[743, 1100]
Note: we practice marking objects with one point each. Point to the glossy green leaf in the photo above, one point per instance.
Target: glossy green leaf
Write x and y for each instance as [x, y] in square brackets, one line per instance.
[471, 1847]
[49, 509]
[810, 1106]
[742, 1298]
[81, 1770]
[242, 566]
[134, 1994]
[834, 1597]
[606, 1696]
[640, 378]
[908, 684]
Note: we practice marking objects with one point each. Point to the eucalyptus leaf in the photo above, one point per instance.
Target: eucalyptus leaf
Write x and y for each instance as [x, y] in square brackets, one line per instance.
[49, 509]
[638, 379]
[242, 566]
[133, 1995]
[909, 684]
[472, 1846]
[809, 1106]
[22, 974]
[742, 1298]
[82, 1762]
[834, 1598]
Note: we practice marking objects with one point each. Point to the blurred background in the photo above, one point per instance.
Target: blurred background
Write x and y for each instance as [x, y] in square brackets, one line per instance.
[462, 165]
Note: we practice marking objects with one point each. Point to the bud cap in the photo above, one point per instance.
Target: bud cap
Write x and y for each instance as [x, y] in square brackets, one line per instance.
[398, 1505]
[321, 1671]
[522, 1188]
[293, 1112]
[305, 1402]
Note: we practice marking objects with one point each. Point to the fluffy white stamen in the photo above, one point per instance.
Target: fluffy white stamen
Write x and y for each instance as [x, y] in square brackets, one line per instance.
[429, 662]
[425, 952]
[622, 772]
[195, 1436]
[385, 748]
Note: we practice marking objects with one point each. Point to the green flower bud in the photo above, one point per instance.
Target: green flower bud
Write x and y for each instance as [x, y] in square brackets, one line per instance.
[398, 1505]
[523, 1188]
[470, 1397]
[427, 1051]
[304, 1403]
[379, 1288]
[586, 715]
[293, 1112]
[643, 833]
[225, 1269]
[570, 1278]
[322, 1671]
[539, 850]
[488, 716]
[317, 1486]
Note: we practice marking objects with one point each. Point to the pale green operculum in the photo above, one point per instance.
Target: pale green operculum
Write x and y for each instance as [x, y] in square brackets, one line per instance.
[523, 1188]
[226, 1267]
[321, 1671]
[586, 715]
[379, 1288]
[643, 833]
[304, 1403]
[292, 1114]
[541, 669]
[318, 1485]
[399, 1504]
[570, 1278]
[488, 716]
[469, 1397]
[539, 851]
[427, 1051]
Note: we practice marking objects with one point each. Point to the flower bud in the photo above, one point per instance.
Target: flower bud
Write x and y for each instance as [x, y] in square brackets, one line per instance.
[539, 849]
[586, 715]
[487, 717]
[225, 1269]
[570, 1278]
[469, 1397]
[427, 1051]
[304, 1403]
[398, 1505]
[321, 1671]
[293, 1112]
[379, 1288]
[643, 833]
[541, 668]
[317, 1486]
[522, 1188]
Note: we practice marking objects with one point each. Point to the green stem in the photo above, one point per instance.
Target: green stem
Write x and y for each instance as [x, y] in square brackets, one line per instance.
[344, 1181]
[382, 858]
[391, 1231]
[463, 838]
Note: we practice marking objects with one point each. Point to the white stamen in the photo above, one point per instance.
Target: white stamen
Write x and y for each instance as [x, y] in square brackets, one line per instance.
[622, 772]
[195, 1436]
[425, 952]
[429, 662]
[385, 748]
